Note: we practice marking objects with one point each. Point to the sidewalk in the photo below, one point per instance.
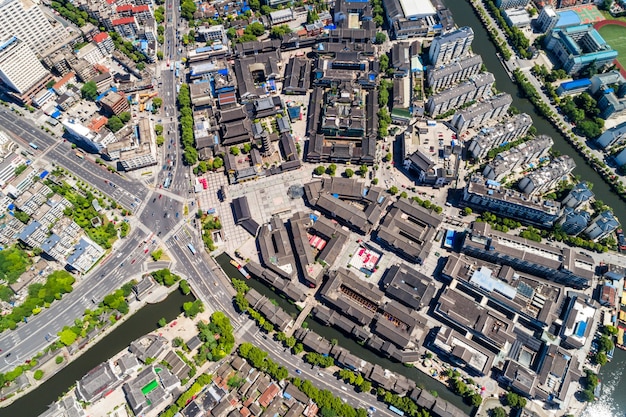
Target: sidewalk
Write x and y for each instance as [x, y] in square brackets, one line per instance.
[51, 368]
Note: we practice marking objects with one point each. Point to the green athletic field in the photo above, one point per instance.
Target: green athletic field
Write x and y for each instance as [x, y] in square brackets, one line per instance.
[615, 36]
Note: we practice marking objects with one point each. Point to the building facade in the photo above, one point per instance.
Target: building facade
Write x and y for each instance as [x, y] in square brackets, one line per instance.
[479, 113]
[20, 69]
[446, 48]
[546, 177]
[439, 78]
[576, 47]
[26, 21]
[479, 86]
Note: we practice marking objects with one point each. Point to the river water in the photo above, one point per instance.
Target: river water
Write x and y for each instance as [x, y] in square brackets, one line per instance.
[344, 341]
[140, 323]
[612, 402]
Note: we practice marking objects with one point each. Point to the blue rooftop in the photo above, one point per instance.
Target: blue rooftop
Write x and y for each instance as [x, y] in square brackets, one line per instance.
[568, 18]
[51, 242]
[573, 85]
[580, 328]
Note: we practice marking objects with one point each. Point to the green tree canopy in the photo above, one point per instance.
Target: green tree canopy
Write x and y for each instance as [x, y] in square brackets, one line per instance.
[89, 90]
[115, 124]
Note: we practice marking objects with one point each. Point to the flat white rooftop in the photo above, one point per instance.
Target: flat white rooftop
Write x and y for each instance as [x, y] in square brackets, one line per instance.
[417, 8]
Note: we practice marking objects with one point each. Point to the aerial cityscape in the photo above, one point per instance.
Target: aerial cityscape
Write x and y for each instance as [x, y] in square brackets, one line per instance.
[357, 208]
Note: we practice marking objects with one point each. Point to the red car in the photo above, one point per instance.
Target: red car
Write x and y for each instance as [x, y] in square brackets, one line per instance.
[133, 261]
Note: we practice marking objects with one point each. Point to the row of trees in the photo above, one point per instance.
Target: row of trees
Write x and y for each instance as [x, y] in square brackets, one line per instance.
[499, 43]
[72, 13]
[165, 277]
[329, 405]
[583, 111]
[128, 49]
[469, 395]
[501, 224]
[318, 359]
[259, 360]
[116, 122]
[542, 72]
[187, 9]
[210, 165]
[514, 34]
[355, 379]
[190, 154]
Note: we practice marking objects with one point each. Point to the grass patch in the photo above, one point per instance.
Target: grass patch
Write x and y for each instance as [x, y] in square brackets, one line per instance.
[615, 36]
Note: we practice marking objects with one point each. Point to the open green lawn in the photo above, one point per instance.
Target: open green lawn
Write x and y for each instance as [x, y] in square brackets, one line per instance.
[615, 36]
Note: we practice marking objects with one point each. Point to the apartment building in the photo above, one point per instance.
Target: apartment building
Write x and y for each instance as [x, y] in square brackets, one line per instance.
[453, 45]
[520, 156]
[479, 113]
[24, 20]
[488, 195]
[439, 78]
[602, 226]
[562, 265]
[104, 43]
[478, 87]
[492, 137]
[546, 177]
[15, 58]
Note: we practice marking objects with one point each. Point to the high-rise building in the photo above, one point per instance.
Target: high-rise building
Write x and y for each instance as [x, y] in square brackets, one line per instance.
[547, 20]
[479, 86]
[25, 20]
[453, 45]
[443, 77]
[20, 70]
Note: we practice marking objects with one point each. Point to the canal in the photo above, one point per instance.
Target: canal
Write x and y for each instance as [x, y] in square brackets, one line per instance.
[464, 16]
[421, 379]
[140, 323]
[612, 402]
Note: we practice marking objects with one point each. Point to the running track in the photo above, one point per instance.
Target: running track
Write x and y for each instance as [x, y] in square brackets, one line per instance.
[618, 23]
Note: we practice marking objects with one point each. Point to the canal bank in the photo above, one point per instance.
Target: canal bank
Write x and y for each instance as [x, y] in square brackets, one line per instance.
[464, 15]
[141, 322]
[612, 402]
[421, 379]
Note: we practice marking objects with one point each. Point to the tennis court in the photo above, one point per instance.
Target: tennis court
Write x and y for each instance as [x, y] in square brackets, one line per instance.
[588, 13]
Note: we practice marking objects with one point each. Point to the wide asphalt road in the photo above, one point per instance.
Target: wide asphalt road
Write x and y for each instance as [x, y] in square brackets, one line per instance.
[125, 192]
[319, 377]
[29, 338]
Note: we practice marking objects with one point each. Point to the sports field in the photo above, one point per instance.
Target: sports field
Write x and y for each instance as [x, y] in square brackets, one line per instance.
[588, 13]
[615, 35]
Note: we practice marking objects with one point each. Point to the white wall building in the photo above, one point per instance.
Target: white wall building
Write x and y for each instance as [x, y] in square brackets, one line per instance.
[25, 20]
[19, 67]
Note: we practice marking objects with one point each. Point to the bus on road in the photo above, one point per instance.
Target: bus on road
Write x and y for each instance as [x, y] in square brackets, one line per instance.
[395, 410]
[32, 145]
[191, 248]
